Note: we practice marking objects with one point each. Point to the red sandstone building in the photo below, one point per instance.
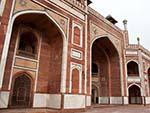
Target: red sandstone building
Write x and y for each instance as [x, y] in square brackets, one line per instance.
[62, 54]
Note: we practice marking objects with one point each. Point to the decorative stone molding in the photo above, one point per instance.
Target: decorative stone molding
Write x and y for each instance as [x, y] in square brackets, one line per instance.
[77, 4]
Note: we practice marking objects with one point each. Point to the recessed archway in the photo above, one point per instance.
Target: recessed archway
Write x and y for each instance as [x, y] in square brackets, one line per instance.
[28, 44]
[135, 95]
[44, 17]
[51, 50]
[132, 69]
[95, 96]
[22, 91]
[51, 44]
[94, 69]
[106, 56]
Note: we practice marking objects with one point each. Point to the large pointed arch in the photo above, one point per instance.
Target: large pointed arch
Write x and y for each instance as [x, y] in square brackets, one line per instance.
[7, 42]
[106, 55]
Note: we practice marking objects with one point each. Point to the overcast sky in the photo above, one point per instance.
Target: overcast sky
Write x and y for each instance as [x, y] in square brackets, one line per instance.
[137, 12]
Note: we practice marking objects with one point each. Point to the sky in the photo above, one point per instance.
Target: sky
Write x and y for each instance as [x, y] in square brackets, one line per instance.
[137, 12]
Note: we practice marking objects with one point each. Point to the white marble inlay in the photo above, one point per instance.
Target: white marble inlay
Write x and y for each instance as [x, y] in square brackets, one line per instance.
[4, 98]
[74, 101]
[76, 54]
[134, 79]
[47, 100]
[131, 52]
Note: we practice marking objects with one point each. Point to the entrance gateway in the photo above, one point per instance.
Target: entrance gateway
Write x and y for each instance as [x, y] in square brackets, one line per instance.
[105, 71]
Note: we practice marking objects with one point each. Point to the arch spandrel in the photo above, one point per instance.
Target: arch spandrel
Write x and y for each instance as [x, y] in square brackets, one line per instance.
[22, 5]
[28, 5]
[19, 71]
[97, 32]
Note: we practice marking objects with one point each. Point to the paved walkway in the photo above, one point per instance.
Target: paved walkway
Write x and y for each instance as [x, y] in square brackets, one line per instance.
[120, 109]
[95, 109]
[28, 111]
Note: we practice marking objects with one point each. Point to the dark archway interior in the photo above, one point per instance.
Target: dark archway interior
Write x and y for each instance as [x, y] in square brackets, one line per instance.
[94, 95]
[94, 69]
[148, 72]
[21, 95]
[132, 69]
[106, 56]
[27, 45]
[135, 95]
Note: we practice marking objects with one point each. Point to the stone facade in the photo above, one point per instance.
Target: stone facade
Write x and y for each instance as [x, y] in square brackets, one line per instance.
[62, 54]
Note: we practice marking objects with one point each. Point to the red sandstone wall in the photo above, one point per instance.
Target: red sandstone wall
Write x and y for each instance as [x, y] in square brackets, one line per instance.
[4, 22]
[49, 77]
[46, 82]
[10, 59]
[115, 77]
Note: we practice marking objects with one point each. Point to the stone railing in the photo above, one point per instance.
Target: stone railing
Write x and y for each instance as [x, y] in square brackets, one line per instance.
[133, 46]
[146, 51]
[76, 3]
[136, 47]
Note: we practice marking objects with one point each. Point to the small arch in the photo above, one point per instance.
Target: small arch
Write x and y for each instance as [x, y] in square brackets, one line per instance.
[77, 34]
[22, 91]
[135, 94]
[95, 94]
[134, 84]
[23, 72]
[132, 60]
[75, 81]
[132, 69]
[28, 44]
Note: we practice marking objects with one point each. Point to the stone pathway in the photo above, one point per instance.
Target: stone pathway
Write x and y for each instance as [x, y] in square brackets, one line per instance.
[95, 109]
[28, 111]
[120, 109]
